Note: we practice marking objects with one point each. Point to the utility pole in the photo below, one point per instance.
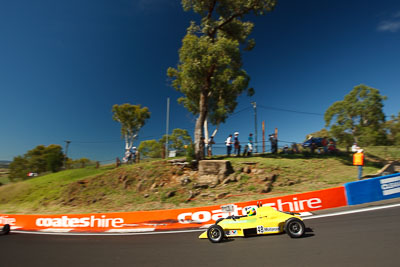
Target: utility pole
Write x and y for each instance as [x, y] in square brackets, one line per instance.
[255, 126]
[263, 136]
[166, 140]
[67, 142]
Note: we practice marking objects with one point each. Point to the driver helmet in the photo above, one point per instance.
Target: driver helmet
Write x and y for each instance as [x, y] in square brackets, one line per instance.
[251, 211]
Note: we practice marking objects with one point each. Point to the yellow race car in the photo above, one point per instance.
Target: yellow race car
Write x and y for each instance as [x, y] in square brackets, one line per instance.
[258, 221]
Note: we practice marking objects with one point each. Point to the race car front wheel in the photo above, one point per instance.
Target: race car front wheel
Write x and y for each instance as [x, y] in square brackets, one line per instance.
[295, 227]
[6, 229]
[215, 233]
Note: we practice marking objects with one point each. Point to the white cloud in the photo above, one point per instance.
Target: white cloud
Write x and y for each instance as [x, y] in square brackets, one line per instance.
[390, 25]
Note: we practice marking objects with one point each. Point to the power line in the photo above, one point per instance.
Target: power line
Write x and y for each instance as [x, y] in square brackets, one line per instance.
[293, 111]
[237, 112]
[113, 141]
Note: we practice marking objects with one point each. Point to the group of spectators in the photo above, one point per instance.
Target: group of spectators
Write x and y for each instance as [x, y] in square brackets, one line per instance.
[130, 155]
[327, 145]
[233, 142]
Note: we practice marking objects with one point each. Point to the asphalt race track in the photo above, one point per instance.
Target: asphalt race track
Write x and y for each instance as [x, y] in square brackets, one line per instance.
[361, 239]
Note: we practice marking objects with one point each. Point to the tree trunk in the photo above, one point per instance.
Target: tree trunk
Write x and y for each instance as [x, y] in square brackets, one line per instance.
[206, 131]
[203, 109]
[199, 128]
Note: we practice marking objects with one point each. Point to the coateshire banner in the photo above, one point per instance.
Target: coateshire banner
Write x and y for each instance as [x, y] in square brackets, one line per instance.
[159, 220]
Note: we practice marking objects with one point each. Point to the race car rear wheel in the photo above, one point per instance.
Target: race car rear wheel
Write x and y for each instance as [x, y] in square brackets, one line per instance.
[6, 229]
[215, 233]
[295, 227]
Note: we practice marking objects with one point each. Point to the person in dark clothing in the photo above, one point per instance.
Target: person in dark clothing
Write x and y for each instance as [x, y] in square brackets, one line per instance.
[274, 144]
[236, 144]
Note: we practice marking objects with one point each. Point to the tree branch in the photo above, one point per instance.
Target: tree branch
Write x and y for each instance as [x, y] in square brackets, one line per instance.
[211, 9]
[235, 15]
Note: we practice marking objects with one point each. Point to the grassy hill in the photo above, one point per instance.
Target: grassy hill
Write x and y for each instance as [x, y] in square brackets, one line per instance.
[160, 185]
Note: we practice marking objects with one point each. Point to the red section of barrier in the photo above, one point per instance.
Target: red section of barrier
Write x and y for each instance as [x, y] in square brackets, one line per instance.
[143, 221]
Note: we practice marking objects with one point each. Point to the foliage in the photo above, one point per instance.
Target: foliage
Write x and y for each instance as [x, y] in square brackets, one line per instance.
[178, 140]
[151, 148]
[18, 168]
[132, 118]
[40, 159]
[190, 153]
[321, 133]
[393, 127]
[209, 73]
[83, 162]
[54, 158]
[358, 118]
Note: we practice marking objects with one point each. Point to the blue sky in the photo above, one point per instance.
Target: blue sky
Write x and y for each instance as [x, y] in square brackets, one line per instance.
[63, 64]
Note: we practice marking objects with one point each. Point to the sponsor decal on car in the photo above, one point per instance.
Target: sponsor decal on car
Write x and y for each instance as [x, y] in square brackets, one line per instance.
[231, 232]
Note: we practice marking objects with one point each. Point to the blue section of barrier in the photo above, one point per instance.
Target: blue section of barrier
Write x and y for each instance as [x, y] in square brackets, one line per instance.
[374, 189]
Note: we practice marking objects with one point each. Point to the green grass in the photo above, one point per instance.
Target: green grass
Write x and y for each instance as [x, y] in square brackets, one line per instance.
[146, 186]
[4, 176]
[384, 152]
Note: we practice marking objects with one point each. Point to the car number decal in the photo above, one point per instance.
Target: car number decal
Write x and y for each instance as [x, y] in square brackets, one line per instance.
[261, 229]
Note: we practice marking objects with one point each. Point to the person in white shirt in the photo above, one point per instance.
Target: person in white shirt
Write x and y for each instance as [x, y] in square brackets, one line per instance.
[355, 148]
[228, 143]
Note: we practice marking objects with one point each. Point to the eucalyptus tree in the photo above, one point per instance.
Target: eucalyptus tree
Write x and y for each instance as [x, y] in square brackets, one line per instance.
[132, 118]
[393, 127]
[151, 148]
[209, 72]
[178, 140]
[358, 117]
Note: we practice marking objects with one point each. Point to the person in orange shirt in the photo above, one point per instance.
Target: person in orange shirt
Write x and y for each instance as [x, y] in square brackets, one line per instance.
[358, 160]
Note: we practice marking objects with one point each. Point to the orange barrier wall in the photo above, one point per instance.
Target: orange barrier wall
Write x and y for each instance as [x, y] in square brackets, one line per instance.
[144, 221]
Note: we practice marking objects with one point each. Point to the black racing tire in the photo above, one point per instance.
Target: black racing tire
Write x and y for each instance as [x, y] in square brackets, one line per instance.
[6, 229]
[295, 228]
[215, 233]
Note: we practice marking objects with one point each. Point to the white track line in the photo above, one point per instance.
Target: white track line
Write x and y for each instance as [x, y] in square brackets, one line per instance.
[351, 212]
[201, 230]
[57, 230]
[109, 234]
[136, 230]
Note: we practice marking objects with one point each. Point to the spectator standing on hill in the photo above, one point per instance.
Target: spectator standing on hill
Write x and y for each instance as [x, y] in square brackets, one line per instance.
[228, 143]
[313, 147]
[274, 144]
[295, 149]
[354, 148]
[127, 156]
[250, 145]
[133, 154]
[331, 147]
[285, 150]
[324, 144]
[209, 146]
[358, 160]
[236, 144]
